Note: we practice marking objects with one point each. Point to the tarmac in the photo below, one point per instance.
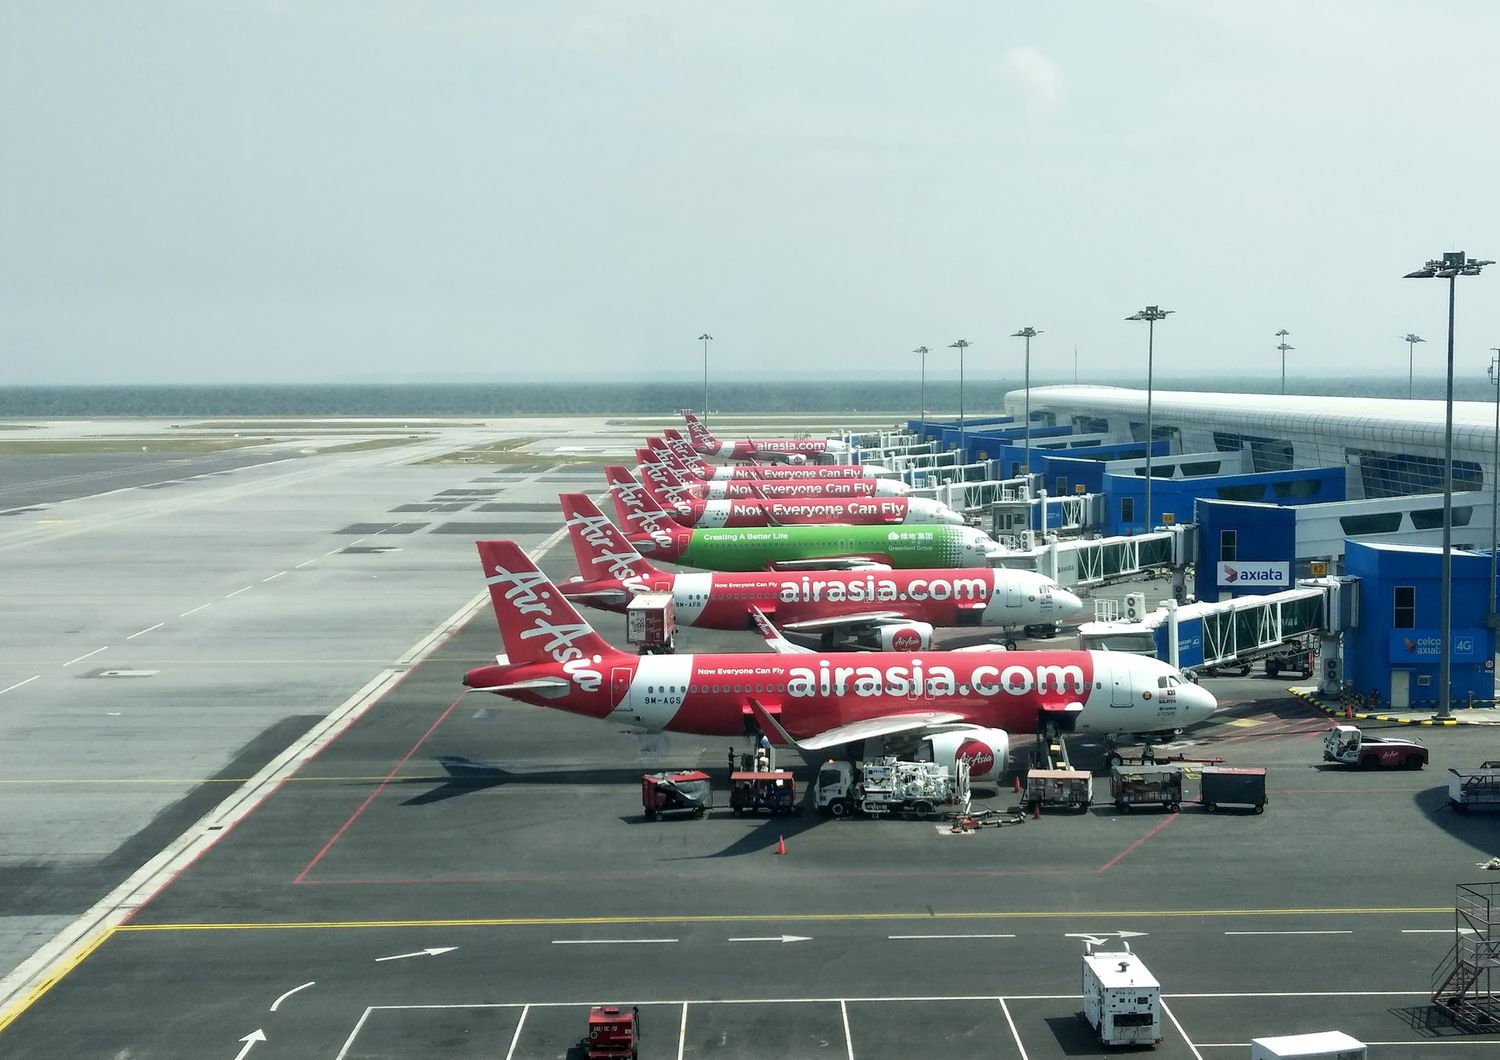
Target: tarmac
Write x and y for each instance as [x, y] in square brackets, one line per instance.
[350, 858]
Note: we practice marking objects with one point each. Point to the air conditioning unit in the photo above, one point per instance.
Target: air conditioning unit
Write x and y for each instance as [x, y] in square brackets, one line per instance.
[1135, 607]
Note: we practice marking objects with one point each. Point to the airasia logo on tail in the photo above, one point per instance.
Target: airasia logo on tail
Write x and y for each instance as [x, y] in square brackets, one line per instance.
[979, 755]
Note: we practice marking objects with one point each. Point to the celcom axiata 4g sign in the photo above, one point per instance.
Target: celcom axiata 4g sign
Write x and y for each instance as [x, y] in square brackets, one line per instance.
[1254, 575]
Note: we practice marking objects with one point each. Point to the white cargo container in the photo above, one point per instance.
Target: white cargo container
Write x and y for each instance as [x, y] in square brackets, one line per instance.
[651, 623]
[1121, 999]
[1325, 1045]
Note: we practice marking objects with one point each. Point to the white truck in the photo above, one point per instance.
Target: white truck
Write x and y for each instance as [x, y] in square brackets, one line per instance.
[889, 785]
[1121, 999]
[1325, 1045]
[651, 623]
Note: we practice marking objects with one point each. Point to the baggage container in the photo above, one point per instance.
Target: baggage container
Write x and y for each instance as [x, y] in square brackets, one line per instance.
[1233, 786]
[1146, 786]
[1058, 787]
[1325, 1045]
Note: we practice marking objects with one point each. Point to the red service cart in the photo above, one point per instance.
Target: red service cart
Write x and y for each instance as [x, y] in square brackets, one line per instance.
[613, 1032]
[686, 792]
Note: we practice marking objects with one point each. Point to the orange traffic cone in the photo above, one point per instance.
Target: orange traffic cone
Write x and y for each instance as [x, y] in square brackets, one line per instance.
[780, 845]
[1036, 810]
[1018, 783]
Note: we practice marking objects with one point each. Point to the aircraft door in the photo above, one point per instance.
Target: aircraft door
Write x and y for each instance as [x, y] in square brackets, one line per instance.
[1121, 693]
[1013, 595]
[619, 685]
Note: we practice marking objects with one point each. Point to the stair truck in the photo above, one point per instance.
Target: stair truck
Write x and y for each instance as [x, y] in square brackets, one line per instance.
[889, 785]
[1121, 999]
[1325, 1045]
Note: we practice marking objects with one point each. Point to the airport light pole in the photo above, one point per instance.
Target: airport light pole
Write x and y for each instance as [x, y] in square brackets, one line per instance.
[1450, 267]
[705, 338]
[1494, 477]
[1282, 334]
[1411, 341]
[963, 442]
[1028, 333]
[1151, 314]
[923, 351]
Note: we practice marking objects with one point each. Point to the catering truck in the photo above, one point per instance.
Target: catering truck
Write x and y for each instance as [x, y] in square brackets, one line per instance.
[888, 785]
[1121, 999]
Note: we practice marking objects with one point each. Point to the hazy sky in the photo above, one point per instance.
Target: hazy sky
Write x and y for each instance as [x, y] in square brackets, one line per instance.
[268, 190]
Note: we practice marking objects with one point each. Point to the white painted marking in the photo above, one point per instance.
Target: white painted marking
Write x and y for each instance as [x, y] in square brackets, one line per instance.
[304, 563]
[277, 1003]
[1424, 1043]
[359, 1025]
[273, 577]
[110, 911]
[430, 951]
[250, 1040]
[195, 610]
[775, 938]
[142, 632]
[1437, 931]
[848, 1038]
[1012, 1024]
[18, 684]
[950, 936]
[1180, 1031]
[514, 1038]
[335, 551]
[608, 942]
[1289, 932]
[241, 589]
[681, 1033]
[86, 655]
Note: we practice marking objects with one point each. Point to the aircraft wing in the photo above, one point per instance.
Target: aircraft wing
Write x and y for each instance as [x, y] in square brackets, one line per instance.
[832, 563]
[856, 730]
[866, 618]
[779, 644]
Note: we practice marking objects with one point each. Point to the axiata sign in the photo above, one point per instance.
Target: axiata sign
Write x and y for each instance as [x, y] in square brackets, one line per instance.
[1246, 575]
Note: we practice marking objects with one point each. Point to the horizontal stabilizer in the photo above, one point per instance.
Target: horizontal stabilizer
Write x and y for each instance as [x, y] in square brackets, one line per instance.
[549, 687]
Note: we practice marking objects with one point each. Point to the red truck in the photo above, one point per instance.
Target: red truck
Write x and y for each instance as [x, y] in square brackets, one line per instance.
[613, 1032]
[1347, 745]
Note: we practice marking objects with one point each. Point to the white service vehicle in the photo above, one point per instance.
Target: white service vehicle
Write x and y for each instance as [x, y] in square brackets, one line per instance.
[1121, 999]
[1325, 1045]
[890, 785]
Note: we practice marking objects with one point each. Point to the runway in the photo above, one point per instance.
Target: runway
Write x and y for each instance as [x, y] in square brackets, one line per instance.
[360, 899]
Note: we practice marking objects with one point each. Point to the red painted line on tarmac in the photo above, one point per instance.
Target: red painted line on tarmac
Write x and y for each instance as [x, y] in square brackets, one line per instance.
[555, 877]
[1112, 862]
[378, 789]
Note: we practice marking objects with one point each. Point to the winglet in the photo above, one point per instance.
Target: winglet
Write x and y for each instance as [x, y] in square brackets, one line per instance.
[773, 637]
[768, 723]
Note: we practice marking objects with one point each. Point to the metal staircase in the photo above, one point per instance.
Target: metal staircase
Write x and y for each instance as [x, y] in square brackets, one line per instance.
[1462, 984]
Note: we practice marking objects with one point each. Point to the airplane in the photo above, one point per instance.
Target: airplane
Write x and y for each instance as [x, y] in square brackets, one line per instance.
[783, 450]
[683, 450]
[792, 511]
[953, 701]
[808, 547]
[880, 610]
[670, 477]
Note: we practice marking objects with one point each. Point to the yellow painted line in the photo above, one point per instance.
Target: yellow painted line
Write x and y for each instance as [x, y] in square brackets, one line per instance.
[1244, 723]
[78, 957]
[775, 918]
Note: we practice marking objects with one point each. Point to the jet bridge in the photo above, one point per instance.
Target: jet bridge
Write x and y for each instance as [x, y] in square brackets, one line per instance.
[1082, 564]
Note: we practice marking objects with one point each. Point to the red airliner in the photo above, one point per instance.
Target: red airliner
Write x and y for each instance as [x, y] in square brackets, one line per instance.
[553, 658]
[893, 610]
[700, 468]
[791, 511]
[781, 450]
[671, 479]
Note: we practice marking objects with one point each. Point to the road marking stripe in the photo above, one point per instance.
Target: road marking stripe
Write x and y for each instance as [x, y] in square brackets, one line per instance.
[1180, 1031]
[1112, 862]
[273, 577]
[18, 684]
[86, 655]
[514, 1038]
[304, 563]
[771, 918]
[359, 1026]
[277, 1003]
[1012, 1025]
[950, 936]
[681, 1033]
[241, 589]
[195, 610]
[608, 942]
[1340, 932]
[142, 632]
[848, 1038]
[1437, 931]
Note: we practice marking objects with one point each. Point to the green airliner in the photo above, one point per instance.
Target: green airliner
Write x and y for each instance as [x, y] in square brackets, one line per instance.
[753, 548]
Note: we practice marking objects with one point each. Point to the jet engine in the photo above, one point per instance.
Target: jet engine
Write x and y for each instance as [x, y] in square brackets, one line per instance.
[895, 636]
[988, 750]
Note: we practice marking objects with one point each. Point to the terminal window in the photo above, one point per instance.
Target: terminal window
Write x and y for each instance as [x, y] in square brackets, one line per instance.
[1229, 546]
[1404, 615]
[1127, 509]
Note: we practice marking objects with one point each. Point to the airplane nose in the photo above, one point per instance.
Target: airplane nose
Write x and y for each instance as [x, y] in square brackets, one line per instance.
[1201, 704]
[937, 512]
[890, 487]
[1069, 606]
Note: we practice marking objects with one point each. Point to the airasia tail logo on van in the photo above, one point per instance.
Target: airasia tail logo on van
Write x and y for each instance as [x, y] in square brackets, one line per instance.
[979, 755]
[906, 640]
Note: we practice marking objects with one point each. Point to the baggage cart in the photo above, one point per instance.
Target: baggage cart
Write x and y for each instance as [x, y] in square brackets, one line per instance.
[774, 792]
[1121, 999]
[688, 792]
[1474, 787]
[1325, 1045]
[1058, 787]
[1146, 786]
[1232, 786]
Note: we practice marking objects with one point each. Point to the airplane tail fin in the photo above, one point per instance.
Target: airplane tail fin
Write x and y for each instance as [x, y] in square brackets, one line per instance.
[660, 475]
[537, 624]
[698, 432]
[623, 486]
[689, 464]
[598, 545]
[638, 513]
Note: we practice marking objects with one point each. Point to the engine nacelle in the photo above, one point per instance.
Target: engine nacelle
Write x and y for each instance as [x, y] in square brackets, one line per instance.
[988, 750]
[897, 636]
[796, 458]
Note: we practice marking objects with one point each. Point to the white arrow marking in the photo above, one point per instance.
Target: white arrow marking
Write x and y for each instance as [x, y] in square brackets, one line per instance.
[249, 1040]
[277, 1003]
[776, 938]
[950, 936]
[1101, 937]
[430, 951]
[606, 942]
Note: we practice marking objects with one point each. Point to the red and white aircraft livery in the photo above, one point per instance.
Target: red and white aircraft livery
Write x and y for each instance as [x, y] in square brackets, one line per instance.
[887, 610]
[701, 468]
[781, 450]
[553, 658]
[792, 511]
[669, 477]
